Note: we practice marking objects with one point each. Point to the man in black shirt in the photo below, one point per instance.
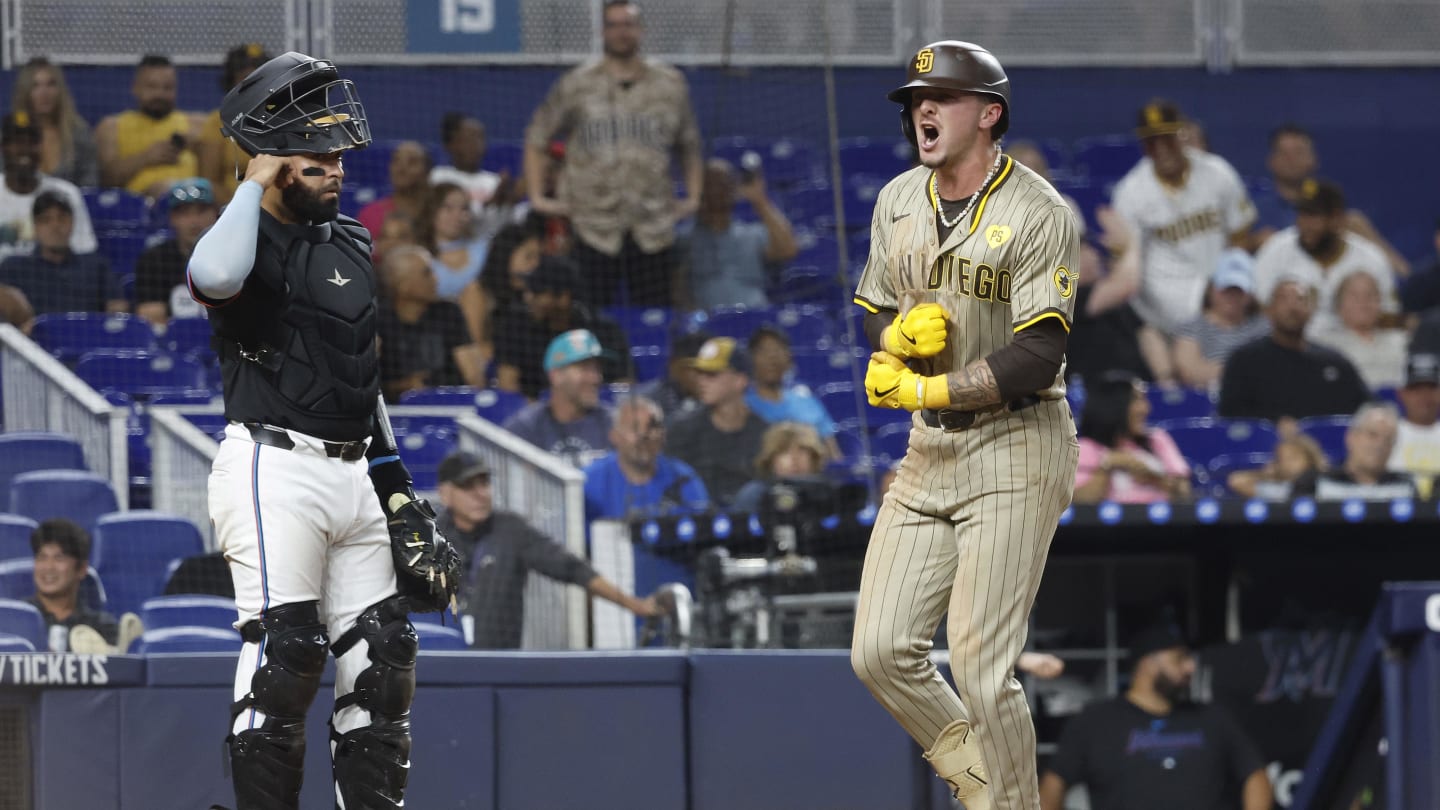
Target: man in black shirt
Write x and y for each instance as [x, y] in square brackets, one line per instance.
[423, 339]
[522, 333]
[160, 272]
[721, 439]
[500, 550]
[1153, 749]
[62, 556]
[1284, 375]
[54, 278]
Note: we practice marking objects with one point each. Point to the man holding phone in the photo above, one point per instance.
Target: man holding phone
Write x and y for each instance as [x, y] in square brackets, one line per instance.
[147, 149]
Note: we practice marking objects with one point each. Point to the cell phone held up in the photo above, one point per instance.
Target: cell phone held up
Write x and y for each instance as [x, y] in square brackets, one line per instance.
[178, 141]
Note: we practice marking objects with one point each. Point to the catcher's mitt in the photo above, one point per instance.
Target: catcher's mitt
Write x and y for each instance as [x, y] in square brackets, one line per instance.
[427, 567]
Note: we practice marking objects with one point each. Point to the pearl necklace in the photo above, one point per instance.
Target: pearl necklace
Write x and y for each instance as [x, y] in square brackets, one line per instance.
[974, 198]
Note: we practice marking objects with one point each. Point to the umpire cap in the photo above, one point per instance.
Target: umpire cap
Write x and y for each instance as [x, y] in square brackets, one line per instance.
[954, 65]
[294, 104]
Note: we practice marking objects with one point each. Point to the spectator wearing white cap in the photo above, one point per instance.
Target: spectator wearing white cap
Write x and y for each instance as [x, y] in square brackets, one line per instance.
[1229, 319]
[1417, 441]
[1283, 375]
[570, 422]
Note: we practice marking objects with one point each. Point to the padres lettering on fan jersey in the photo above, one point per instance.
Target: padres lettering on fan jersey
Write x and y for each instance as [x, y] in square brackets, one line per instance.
[1182, 232]
[1008, 267]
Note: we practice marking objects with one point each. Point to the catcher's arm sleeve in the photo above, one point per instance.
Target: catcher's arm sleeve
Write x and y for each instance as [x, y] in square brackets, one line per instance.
[224, 255]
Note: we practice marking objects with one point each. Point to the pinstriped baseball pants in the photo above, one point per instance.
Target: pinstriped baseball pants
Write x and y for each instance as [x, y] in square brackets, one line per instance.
[966, 528]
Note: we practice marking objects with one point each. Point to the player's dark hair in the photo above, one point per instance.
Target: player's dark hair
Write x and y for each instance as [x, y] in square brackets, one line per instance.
[49, 201]
[1106, 418]
[450, 124]
[495, 272]
[67, 534]
[1287, 129]
[767, 331]
[154, 60]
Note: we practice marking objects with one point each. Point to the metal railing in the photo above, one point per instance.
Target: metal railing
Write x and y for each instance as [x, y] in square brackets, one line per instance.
[42, 394]
[550, 495]
[180, 459]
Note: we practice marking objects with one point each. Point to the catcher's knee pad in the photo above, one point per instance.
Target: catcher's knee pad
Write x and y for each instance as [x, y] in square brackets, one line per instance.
[371, 762]
[268, 760]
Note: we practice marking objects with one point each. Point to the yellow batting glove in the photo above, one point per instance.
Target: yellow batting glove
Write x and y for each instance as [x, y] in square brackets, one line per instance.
[889, 383]
[918, 333]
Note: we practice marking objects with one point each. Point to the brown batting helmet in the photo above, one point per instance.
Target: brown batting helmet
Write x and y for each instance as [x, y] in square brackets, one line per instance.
[954, 65]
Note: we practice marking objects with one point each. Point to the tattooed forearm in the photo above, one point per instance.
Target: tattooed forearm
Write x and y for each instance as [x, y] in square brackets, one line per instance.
[973, 387]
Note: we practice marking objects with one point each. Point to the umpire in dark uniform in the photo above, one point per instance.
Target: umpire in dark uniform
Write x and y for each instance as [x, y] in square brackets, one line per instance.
[327, 545]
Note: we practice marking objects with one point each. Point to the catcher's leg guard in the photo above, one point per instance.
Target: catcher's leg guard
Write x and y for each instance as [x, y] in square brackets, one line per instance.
[956, 757]
[267, 760]
[371, 762]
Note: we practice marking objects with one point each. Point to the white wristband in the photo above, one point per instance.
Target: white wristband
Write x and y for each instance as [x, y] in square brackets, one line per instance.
[919, 391]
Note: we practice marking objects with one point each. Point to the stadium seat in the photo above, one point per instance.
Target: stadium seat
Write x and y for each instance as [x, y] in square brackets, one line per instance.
[403, 425]
[496, 405]
[116, 208]
[68, 335]
[1329, 432]
[188, 337]
[15, 536]
[817, 369]
[422, 453]
[15, 644]
[186, 639]
[193, 396]
[140, 373]
[1170, 402]
[212, 424]
[885, 157]
[807, 324]
[817, 248]
[370, 166]
[30, 451]
[132, 551]
[808, 284]
[890, 441]
[122, 247]
[785, 162]
[22, 619]
[810, 206]
[1221, 466]
[643, 326]
[1106, 158]
[504, 156]
[650, 362]
[435, 637]
[850, 438]
[1203, 439]
[80, 496]
[17, 581]
[861, 190]
[738, 322]
[460, 396]
[189, 610]
[839, 400]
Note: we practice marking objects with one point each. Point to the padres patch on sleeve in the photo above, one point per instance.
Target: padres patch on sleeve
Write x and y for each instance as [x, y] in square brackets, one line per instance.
[1064, 282]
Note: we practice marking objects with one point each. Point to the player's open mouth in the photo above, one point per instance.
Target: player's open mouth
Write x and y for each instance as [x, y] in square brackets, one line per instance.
[929, 134]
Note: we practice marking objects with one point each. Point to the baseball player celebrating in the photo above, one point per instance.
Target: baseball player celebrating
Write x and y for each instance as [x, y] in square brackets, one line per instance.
[969, 291]
[292, 306]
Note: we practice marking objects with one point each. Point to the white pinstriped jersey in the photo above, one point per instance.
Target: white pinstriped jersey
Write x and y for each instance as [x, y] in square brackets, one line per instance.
[1182, 232]
[1011, 264]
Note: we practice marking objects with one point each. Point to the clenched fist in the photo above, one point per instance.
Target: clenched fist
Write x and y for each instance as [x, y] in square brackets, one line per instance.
[918, 333]
[889, 383]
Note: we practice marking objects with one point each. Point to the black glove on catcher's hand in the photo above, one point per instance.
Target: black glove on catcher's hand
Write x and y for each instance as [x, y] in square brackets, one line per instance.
[427, 567]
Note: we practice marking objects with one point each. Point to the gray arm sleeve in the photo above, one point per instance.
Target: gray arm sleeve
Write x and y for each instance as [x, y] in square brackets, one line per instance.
[224, 255]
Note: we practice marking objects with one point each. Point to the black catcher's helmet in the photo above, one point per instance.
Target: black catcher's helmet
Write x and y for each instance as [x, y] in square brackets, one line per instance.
[954, 65]
[294, 104]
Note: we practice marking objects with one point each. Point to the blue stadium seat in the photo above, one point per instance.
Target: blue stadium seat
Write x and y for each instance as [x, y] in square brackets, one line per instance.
[650, 361]
[496, 405]
[213, 424]
[435, 637]
[738, 322]
[839, 400]
[192, 396]
[818, 368]
[890, 441]
[30, 451]
[68, 335]
[422, 453]
[15, 536]
[407, 424]
[1202, 439]
[1221, 466]
[186, 639]
[116, 208]
[809, 206]
[80, 496]
[1089, 196]
[15, 644]
[861, 191]
[132, 551]
[460, 396]
[189, 610]
[17, 581]
[23, 619]
[849, 437]
[122, 247]
[785, 162]
[886, 157]
[804, 283]
[807, 324]
[140, 373]
[504, 156]
[188, 337]
[817, 249]
[1170, 402]
[1106, 157]
[1329, 432]
[648, 326]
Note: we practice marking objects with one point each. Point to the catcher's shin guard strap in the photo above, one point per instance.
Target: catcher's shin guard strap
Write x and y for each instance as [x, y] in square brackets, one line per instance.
[267, 767]
[386, 687]
[955, 756]
[372, 764]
